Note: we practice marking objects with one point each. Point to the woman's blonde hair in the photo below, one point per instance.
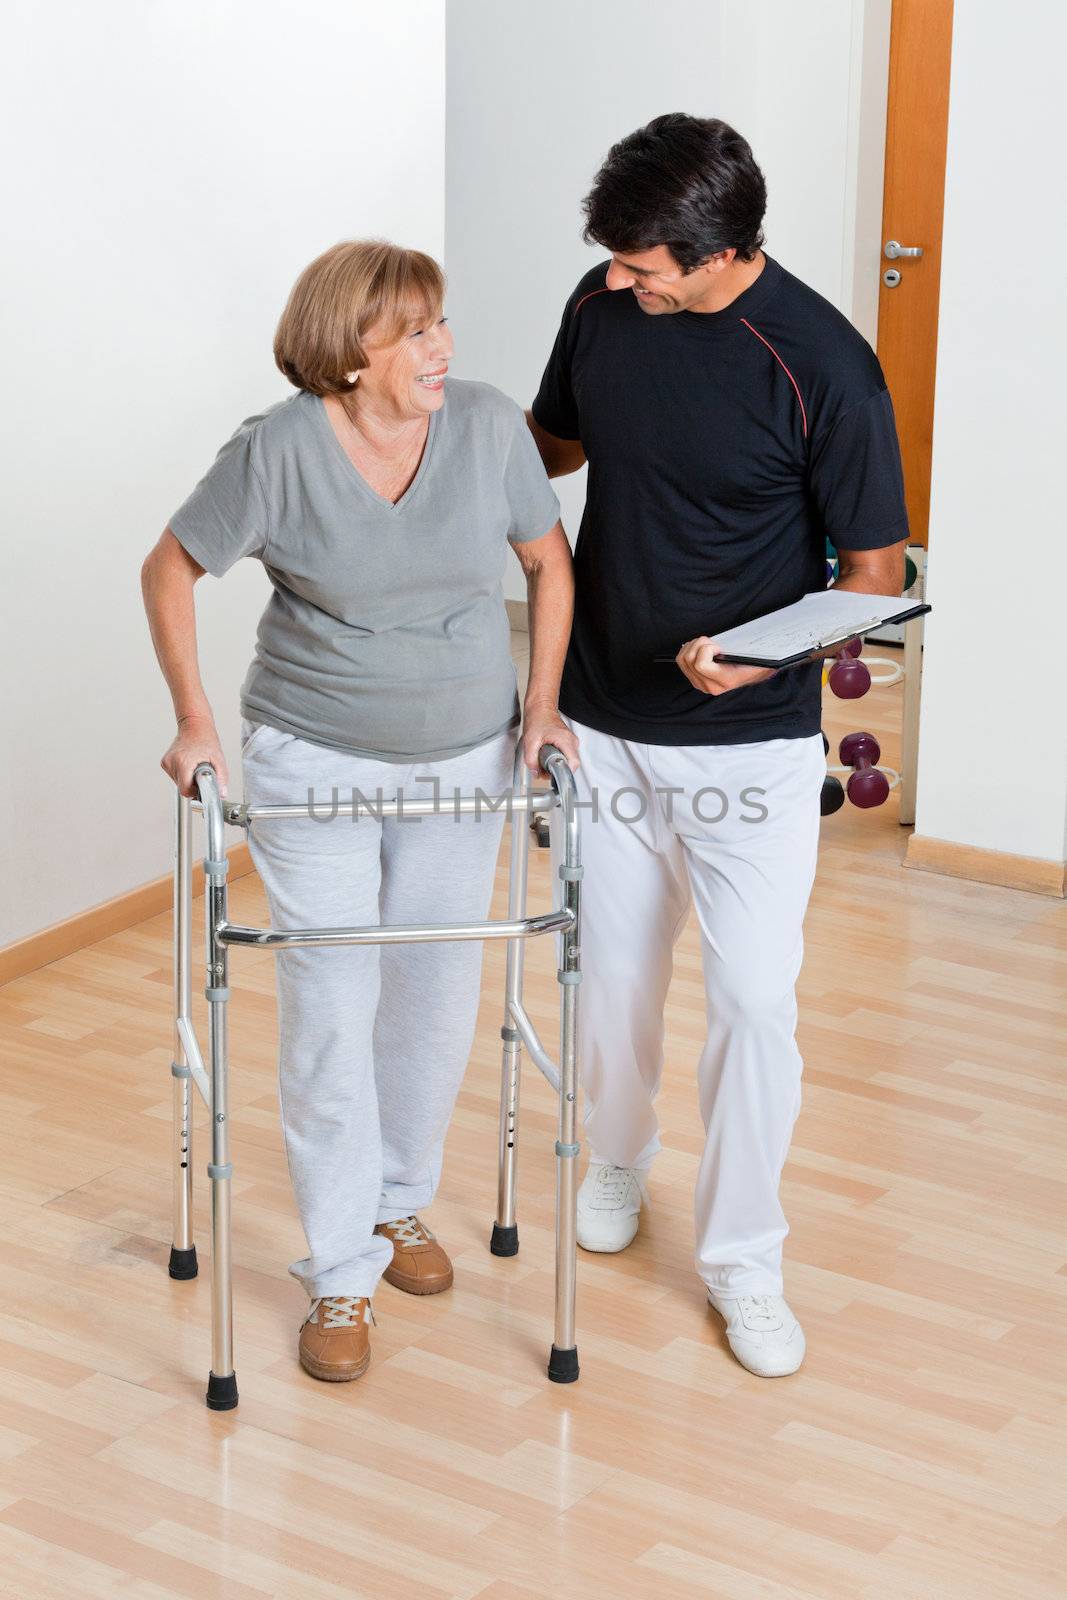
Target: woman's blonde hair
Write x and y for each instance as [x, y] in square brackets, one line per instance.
[346, 292]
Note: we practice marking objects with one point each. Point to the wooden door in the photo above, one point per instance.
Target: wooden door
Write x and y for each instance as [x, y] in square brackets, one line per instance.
[912, 207]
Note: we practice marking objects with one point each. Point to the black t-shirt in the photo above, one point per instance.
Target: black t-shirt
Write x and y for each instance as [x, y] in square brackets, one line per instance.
[723, 448]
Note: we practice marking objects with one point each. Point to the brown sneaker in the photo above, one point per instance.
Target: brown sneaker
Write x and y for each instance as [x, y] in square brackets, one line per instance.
[419, 1264]
[334, 1341]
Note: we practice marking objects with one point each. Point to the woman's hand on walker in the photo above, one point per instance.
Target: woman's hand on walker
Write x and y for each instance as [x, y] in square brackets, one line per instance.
[541, 725]
[196, 741]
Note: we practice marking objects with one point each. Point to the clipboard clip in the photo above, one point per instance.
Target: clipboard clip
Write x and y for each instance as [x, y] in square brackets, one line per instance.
[844, 633]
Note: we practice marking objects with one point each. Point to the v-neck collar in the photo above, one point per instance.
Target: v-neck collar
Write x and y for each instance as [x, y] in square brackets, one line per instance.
[319, 408]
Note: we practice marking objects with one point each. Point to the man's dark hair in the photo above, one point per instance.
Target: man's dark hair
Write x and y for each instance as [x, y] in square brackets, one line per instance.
[690, 183]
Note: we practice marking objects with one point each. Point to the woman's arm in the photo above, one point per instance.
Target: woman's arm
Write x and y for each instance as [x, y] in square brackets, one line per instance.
[168, 576]
[550, 593]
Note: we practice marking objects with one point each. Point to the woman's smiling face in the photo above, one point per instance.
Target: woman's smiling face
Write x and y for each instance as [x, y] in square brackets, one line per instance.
[407, 377]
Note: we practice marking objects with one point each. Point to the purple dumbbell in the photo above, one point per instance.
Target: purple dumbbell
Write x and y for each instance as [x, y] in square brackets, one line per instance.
[849, 677]
[867, 786]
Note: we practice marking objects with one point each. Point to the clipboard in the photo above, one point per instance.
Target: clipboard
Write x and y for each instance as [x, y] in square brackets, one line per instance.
[799, 633]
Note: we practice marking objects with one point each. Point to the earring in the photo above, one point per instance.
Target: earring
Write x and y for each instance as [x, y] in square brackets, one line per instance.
[352, 377]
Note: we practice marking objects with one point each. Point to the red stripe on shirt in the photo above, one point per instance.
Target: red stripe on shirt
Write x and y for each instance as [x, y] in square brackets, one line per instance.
[589, 296]
[785, 369]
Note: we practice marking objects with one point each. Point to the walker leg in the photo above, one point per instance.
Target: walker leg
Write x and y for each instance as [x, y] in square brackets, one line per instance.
[505, 1236]
[222, 1381]
[183, 1262]
[563, 1361]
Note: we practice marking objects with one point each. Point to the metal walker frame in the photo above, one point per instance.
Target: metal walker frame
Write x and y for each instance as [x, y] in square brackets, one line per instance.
[188, 1069]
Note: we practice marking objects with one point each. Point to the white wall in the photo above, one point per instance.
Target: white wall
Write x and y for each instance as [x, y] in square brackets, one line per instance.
[536, 95]
[173, 170]
[169, 171]
[993, 751]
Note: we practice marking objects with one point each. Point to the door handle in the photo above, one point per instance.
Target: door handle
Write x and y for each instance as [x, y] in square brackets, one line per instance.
[893, 250]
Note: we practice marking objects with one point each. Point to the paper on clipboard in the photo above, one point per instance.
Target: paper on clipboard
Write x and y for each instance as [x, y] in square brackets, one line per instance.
[811, 624]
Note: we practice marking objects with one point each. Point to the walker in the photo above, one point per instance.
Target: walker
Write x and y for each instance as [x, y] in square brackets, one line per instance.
[188, 1069]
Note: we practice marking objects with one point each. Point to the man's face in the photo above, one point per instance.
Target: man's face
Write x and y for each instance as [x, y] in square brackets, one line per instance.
[657, 281]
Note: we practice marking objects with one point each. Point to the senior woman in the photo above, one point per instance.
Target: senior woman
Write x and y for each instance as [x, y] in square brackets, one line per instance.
[381, 499]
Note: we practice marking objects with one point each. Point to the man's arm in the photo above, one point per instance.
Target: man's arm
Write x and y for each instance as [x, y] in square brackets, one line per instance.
[872, 571]
[560, 456]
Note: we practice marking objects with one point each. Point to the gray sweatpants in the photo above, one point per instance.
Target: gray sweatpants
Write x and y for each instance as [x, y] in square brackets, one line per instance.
[373, 1039]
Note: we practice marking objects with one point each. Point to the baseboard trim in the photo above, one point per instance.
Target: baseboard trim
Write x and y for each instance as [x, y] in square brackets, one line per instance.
[99, 922]
[126, 910]
[987, 866]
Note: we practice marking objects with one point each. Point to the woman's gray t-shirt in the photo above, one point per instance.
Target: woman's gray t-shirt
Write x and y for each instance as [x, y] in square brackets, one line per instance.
[386, 633]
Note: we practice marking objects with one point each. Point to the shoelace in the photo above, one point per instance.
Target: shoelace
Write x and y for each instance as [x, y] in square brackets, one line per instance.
[613, 1186]
[342, 1311]
[758, 1310]
[408, 1231]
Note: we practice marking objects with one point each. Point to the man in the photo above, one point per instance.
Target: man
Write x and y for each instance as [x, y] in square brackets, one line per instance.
[732, 419]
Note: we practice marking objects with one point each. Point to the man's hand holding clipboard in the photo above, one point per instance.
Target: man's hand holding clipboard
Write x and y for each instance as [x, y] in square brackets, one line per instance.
[698, 660]
[792, 636]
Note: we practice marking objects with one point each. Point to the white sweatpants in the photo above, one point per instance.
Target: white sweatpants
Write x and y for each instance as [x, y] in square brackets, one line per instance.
[373, 1039]
[734, 830]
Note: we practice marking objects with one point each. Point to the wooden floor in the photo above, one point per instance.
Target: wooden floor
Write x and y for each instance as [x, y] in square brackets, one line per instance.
[919, 1452]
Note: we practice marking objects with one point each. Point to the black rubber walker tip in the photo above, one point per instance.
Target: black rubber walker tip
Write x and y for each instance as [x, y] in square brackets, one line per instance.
[221, 1392]
[505, 1241]
[183, 1262]
[563, 1365]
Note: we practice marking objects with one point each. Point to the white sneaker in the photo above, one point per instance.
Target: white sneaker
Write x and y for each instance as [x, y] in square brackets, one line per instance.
[762, 1332]
[609, 1203]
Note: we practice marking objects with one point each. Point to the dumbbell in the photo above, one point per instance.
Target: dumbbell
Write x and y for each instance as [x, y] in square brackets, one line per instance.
[867, 786]
[832, 797]
[849, 677]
